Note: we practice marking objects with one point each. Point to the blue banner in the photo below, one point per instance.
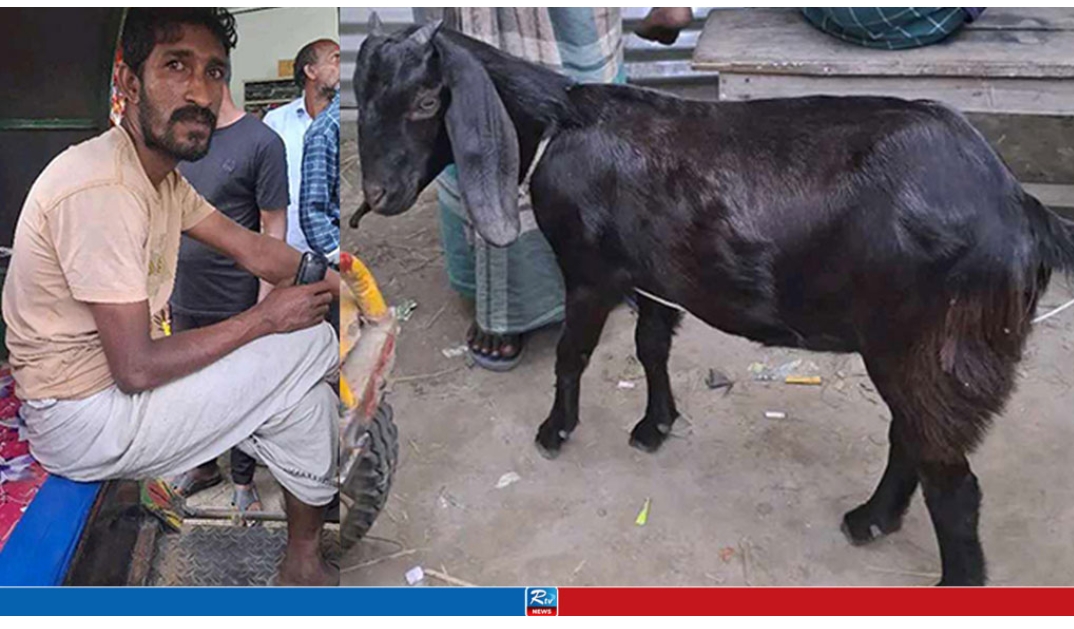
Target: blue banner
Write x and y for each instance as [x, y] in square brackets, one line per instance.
[343, 601]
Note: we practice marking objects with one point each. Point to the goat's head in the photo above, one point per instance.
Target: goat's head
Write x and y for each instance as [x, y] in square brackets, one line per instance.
[426, 102]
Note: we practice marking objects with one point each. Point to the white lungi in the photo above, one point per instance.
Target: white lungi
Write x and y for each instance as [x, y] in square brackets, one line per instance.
[268, 397]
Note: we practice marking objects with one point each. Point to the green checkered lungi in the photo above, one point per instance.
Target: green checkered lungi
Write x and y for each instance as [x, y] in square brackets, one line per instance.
[890, 28]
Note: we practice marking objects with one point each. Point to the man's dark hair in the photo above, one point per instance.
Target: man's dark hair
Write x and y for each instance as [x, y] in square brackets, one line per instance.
[307, 56]
[144, 28]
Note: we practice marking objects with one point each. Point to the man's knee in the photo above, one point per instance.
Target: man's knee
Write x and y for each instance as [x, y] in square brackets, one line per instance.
[313, 421]
[301, 448]
[321, 407]
[313, 349]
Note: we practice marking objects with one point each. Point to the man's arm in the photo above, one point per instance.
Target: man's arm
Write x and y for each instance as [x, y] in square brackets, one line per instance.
[139, 363]
[273, 225]
[267, 258]
[315, 198]
[271, 189]
[99, 237]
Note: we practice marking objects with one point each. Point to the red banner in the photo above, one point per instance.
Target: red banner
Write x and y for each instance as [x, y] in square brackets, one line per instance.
[816, 601]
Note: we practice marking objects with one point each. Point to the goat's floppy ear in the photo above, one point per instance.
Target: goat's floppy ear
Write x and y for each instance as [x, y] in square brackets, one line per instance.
[376, 27]
[484, 144]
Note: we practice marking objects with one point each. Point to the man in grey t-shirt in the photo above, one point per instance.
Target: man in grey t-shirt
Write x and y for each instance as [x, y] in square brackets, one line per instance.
[244, 175]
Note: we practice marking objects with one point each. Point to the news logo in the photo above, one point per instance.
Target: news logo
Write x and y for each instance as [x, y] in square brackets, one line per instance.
[542, 602]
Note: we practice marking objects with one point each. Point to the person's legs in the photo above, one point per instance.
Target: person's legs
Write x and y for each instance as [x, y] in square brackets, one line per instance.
[269, 395]
[456, 236]
[208, 474]
[244, 495]
[515, 289]
[303, 563]
[177, 426]
[242, 467]
[519, 288]
[291, 445]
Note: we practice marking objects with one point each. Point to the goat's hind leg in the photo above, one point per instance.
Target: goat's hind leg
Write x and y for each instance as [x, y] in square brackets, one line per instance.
[586, 311]
[652, 336]
[954, 501]
[939, 412]
[952, 496]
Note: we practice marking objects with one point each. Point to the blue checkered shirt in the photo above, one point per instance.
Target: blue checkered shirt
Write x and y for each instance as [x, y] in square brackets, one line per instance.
[318, 199]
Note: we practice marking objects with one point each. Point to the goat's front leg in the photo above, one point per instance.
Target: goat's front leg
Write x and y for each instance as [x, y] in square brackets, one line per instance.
[652, 336]
[586, 311]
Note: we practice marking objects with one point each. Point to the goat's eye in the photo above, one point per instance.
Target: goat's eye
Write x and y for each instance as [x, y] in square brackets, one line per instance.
[428, 104]
[425, 107]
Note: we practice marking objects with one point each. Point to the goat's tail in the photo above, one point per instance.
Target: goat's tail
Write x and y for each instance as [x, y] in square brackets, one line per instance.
[1053, 236]
[956, 370]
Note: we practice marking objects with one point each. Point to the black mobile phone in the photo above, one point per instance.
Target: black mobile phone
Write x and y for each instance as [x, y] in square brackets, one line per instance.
[311, 269]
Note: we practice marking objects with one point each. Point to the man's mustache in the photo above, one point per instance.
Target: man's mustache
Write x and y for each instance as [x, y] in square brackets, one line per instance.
[193, 113]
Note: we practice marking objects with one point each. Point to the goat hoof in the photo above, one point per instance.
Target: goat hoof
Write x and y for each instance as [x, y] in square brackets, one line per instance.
[861, 526]
[549, 441]
[963, 581]
[546, 452]
[648, 437]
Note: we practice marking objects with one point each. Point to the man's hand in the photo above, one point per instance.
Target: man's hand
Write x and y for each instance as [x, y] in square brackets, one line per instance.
[664, 23]
[289, 308]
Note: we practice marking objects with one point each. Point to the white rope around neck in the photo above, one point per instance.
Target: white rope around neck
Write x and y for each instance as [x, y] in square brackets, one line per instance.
[537, 155]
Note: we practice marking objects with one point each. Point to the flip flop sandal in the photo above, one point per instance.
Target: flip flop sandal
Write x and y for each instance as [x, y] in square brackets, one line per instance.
[499, 365]
[186, 485]
[242, 498]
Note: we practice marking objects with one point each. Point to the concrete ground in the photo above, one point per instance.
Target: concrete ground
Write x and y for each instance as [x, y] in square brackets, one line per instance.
[736, 498]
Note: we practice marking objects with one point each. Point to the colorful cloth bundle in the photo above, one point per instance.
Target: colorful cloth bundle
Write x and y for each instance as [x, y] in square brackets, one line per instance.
[20, 475]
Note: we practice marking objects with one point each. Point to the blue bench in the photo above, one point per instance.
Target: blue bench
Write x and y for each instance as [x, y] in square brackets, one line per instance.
[43, 543]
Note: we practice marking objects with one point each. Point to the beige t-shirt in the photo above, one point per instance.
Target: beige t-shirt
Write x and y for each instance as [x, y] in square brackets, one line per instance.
[93, 229]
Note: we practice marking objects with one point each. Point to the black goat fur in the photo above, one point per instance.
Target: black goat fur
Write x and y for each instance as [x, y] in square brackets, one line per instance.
[872, 225]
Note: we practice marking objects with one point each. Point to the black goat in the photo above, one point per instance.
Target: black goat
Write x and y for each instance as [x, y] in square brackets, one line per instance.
[871, 225]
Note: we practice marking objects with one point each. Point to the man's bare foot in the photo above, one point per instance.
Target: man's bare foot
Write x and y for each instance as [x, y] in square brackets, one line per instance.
[302, 561]
[664, 23]
[495, 352]
[307, 570]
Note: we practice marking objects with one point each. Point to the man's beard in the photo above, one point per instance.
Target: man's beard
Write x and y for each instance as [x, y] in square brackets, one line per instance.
[169, 143]
[328, 92]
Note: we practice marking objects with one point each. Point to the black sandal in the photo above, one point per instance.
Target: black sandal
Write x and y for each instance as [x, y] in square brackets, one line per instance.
[496, 363]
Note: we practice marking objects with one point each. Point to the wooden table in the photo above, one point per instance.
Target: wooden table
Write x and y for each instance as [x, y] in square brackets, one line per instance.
[1009, 62]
